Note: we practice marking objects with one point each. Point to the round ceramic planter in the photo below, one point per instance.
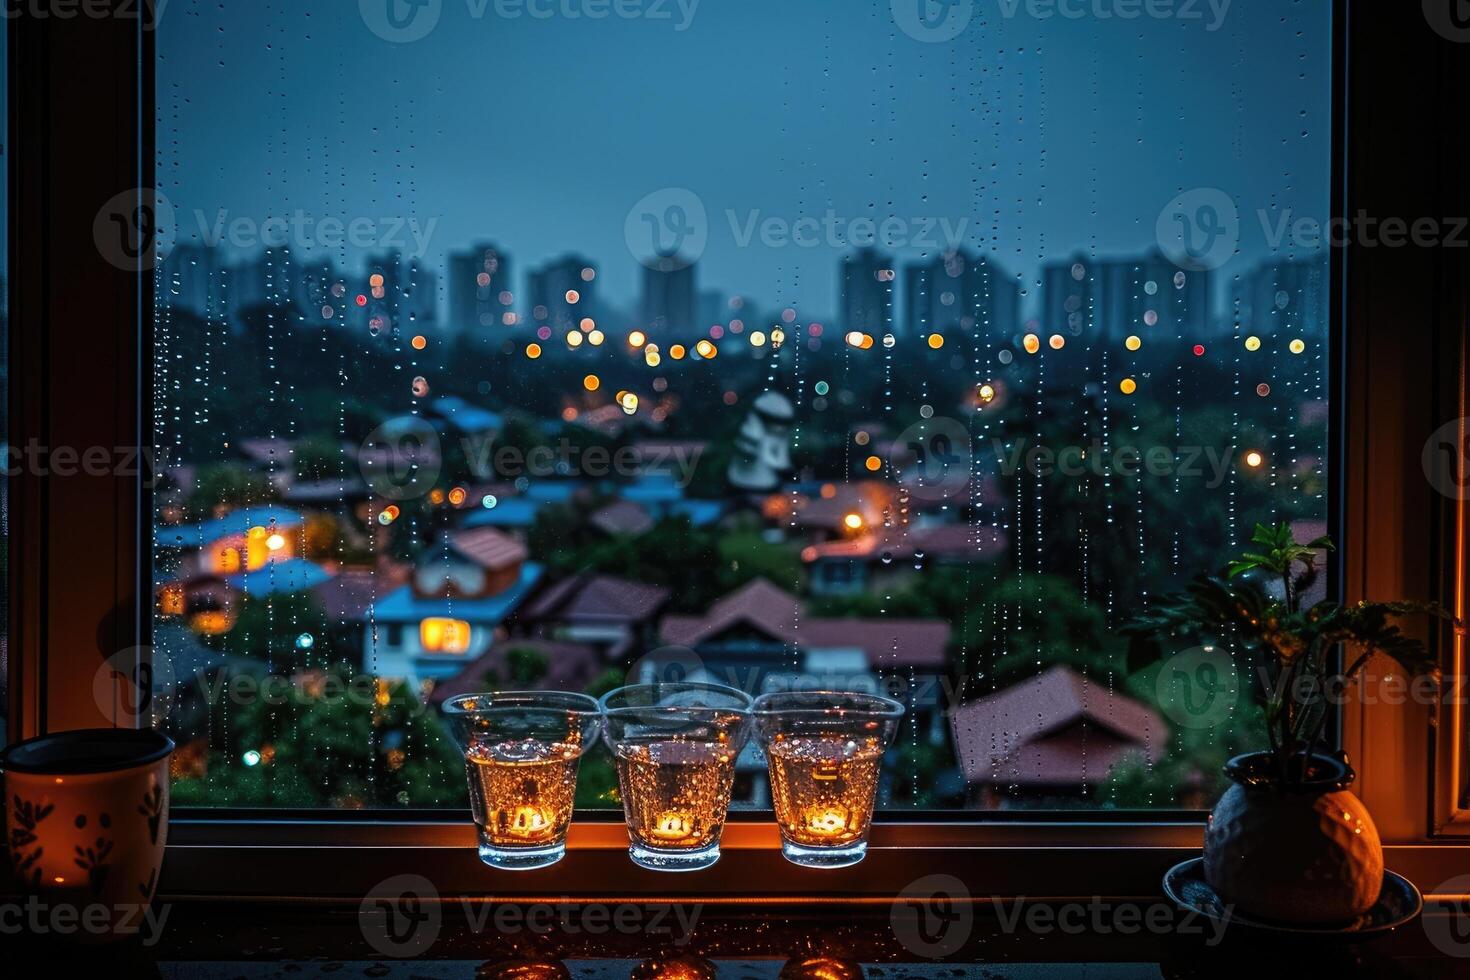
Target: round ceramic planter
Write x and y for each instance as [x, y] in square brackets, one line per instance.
[1304, 854]
[88, 821]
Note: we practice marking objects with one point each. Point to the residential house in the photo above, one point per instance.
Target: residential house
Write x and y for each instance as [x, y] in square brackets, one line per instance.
[883, 560]
[244, 540]
[831, 511]
[350, 599]
[452, 610]
[610, 614]
[761, 633]
[1050, 737]
[760, 638]
[567, 666]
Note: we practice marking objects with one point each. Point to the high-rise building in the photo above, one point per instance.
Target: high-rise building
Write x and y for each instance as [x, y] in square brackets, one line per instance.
[481, 290]
[867, 291]
[268, 280]
[712, 308]
[313, 294]
[670, 297]
[401, 294]
[1109, 300]
[1284, 296]
[193, 278]
[960, 291]
[563, 292]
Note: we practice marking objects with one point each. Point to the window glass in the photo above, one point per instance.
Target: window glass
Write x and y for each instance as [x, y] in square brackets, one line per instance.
[911, 347]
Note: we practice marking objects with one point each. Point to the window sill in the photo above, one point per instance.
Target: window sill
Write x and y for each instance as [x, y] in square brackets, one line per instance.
[349, 857]
[346, 859]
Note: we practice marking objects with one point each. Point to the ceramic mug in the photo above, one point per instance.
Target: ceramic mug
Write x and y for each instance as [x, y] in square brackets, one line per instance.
[86, 823]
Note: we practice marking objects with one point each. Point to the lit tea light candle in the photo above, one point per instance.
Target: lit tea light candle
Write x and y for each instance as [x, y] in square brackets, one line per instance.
[828, 820]
[526, 822]
[673, 827]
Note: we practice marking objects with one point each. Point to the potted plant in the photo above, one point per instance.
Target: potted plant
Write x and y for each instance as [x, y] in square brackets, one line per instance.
[1288, 842]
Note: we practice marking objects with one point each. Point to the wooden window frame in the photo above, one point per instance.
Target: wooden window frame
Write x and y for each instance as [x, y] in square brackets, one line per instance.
[81, 102]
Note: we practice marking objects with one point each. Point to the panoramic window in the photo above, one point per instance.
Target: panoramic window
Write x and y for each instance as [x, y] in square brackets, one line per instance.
[912, 348]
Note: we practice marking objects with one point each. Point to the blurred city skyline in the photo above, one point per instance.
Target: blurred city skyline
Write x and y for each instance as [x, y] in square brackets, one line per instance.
[545, 135]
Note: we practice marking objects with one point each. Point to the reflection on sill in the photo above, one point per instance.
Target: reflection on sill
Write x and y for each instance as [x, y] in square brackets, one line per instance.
[554, 940]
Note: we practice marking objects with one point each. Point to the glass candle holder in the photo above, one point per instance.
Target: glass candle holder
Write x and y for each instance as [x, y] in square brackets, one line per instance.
[824, 751]
[675, 746]
[522, 750]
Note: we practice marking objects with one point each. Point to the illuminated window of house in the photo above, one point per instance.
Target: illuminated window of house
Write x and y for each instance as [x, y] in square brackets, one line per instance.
[171, 600]
[440, 635]
[226, 561]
